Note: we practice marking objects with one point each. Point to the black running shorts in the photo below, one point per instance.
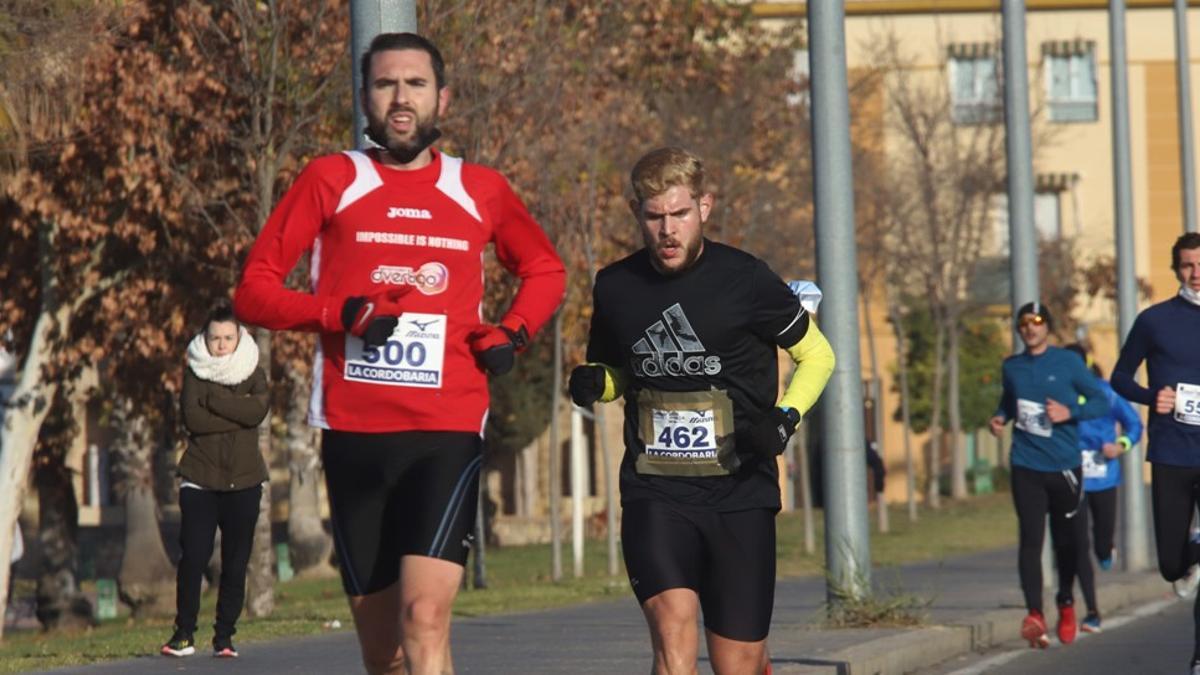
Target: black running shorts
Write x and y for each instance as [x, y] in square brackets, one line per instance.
[398, 494]
[728, 558]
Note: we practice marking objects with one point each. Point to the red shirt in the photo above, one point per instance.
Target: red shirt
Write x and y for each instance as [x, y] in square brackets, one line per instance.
[372, 228]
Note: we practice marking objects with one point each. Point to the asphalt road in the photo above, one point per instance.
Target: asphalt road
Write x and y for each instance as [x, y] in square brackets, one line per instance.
[1155, 639]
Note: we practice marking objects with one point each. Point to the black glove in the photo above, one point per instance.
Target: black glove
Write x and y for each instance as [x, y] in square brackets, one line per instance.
[370, 320]
[586, 384]
[769, 433]
[496, 346]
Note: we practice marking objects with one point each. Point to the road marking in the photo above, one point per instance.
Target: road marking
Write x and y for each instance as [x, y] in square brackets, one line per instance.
[1109, 624]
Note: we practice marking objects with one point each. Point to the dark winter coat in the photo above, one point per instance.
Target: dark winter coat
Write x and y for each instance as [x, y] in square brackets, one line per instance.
[222, 423]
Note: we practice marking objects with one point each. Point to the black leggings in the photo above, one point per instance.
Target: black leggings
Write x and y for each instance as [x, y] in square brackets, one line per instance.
[202, 512]
[1102, 506]
[1174, 491]
[1059, 493]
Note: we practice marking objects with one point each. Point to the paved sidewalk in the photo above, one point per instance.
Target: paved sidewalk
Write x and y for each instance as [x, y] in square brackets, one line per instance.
[975, 603]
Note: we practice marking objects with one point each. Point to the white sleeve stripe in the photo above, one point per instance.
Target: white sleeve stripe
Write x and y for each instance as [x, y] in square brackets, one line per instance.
[793, 323]
[366, 178]
[450, 183]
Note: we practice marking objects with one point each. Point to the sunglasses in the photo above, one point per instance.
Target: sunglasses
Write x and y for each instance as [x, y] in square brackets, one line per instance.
[1031, 320]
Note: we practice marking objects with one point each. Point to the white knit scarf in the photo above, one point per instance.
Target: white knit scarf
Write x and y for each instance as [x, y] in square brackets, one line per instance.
[1189, 295]
[229, 369]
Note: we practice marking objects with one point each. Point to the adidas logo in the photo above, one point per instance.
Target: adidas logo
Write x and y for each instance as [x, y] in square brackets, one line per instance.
[671, 347]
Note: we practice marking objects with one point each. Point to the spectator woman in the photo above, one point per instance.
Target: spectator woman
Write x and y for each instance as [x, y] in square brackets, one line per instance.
[222, 473]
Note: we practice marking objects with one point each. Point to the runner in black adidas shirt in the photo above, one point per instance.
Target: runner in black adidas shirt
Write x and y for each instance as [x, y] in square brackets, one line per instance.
[687, 330]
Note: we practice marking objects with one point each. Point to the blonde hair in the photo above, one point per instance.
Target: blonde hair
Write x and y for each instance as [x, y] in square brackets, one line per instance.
[660, 170]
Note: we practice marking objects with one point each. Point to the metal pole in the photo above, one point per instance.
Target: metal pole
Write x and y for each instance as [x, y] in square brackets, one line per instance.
[578, 486]
[1023, 237]
[369, 18]
[555, 481]
[1134, 545]
[847, 542]
[610, 489]
[1183, 88]
[1022, 234]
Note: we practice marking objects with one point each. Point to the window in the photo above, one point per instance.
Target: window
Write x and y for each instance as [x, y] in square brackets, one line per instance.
[1070, 71]
[998, 215]
[975, 87]
[1046, 216]
[799, 73]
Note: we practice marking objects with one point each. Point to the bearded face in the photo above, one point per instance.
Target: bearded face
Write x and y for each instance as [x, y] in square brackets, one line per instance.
[403, 103]
[672, 226]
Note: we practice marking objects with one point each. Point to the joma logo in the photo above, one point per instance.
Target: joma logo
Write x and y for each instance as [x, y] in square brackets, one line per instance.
[405, 212]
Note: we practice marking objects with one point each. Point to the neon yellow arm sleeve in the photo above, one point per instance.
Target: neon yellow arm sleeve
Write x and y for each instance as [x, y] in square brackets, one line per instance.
[814, 361]
[615, 380]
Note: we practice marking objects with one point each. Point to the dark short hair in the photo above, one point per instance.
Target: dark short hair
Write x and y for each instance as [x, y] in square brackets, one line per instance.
[1082, 351]
[221, 312]
[1189, 240]
[1037, 308]
[400, 41]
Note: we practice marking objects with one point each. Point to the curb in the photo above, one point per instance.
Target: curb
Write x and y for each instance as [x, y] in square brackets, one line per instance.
[925, 647]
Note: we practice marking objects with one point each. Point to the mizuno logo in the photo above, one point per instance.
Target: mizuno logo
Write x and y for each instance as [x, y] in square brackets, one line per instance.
[423, 325]
[671, 347]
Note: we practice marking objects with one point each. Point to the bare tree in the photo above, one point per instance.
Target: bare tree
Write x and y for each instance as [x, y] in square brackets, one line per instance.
[942, 176]
[39, 97]
[283, 62]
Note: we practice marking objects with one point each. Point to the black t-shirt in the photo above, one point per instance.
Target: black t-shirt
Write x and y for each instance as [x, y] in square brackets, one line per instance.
[715, 325]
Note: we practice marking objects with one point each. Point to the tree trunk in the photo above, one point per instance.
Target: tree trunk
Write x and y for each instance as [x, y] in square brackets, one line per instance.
[23, 416]
[147, 577]
[800, 443]
[60, 604]
[308, 543]
[527, 488]
[260, 575]
[958, 456]
[935, 424]
[479, 546]
[905, 413]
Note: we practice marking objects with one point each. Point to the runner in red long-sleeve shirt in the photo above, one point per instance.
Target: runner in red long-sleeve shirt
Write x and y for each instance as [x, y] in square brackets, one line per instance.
[397, 236]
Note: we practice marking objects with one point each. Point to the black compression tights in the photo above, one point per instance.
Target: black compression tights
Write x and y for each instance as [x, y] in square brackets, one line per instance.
[1102, 508]
[1036, 493]
[1174, 491]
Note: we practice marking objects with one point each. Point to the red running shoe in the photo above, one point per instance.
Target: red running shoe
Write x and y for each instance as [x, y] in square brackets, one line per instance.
[1066, 624]
[1033, 630]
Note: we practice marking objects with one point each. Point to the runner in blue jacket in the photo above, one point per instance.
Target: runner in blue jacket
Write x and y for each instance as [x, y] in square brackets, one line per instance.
[1101, 448]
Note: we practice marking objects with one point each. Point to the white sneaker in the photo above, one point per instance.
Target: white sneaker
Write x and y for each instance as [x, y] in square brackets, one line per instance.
[1186, 587]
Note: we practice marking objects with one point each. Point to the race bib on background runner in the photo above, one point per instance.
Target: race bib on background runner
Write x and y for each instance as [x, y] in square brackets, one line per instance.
[1032, 418]
[1095, 464]
[412, 356]
[1187, 403]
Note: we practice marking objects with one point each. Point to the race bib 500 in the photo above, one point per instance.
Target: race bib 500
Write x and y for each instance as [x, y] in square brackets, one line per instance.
[412, 356]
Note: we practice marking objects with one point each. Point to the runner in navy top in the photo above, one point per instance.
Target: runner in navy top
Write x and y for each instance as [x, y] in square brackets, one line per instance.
[1164, 336]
